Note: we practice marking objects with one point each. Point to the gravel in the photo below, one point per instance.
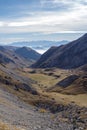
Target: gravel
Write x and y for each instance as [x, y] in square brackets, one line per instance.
[27, 117]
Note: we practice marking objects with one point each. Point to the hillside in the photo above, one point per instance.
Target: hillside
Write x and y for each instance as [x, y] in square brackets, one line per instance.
[74, 83]
[67, 56]
[21, 87]
[15, 56]
[5, 56]
[27, 53]
[31, 98]
[44, 98]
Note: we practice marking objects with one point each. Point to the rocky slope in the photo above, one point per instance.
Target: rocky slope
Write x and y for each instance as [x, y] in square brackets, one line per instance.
[17, 113]
[18, 56]
[68, 56]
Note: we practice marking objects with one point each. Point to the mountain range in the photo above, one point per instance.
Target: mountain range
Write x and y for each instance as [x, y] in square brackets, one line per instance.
[39, 46]
[50, 89]
[69, 56]
[21, 56]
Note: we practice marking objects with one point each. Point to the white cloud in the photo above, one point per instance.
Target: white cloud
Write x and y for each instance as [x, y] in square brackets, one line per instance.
[74, 20]
[1, 24]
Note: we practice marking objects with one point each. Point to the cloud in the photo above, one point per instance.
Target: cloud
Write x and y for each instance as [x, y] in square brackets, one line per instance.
[75, 20]
[63, 5]
[1, 24]
[44, 16]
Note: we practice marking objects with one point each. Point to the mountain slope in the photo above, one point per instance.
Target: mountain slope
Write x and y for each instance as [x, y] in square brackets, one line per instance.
[67, 56]
[4, 58]
[73, 83]
[27, 53]
[17, 56]
[9, 57]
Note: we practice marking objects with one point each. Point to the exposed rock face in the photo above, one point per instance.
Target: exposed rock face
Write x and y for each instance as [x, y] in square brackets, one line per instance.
[68, 56]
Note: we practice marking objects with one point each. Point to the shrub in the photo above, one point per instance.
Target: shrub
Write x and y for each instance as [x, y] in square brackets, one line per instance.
[42, 110]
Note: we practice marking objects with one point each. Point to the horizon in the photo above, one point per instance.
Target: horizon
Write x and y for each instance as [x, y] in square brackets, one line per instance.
[34, 20]
[40, 46]
[58, 37]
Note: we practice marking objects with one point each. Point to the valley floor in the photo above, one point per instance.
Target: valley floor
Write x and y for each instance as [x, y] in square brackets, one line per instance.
[69, 110]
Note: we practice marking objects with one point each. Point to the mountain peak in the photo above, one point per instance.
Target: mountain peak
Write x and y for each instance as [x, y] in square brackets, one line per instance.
[71, 55]
[27, 53]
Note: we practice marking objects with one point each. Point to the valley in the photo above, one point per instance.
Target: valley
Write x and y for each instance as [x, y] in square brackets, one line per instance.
[37, 96]
[43, 64]
[46, 107]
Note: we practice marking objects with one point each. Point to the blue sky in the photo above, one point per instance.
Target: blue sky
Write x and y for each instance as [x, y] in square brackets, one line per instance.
[25, 20]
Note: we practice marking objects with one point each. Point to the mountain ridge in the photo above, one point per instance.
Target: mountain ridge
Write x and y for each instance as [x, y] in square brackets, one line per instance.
[27, 53]
[71, 55]
[37, 43]
[18, 56]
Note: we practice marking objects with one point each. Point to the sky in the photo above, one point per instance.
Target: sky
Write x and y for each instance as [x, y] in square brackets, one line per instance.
[27, 20]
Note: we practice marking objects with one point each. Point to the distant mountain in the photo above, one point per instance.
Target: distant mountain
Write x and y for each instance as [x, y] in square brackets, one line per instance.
[17, 56]
[39, 46]
[12, 48]
[38, 43]
[67, 56]
[27, 53]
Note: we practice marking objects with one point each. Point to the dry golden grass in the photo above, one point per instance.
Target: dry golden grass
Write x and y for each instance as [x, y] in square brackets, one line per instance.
[42, 110]
[45, 81]
[79, 99]
[4, 126]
